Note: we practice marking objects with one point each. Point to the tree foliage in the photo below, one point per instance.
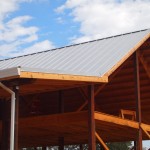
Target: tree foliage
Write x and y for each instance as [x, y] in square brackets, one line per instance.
[112, 146]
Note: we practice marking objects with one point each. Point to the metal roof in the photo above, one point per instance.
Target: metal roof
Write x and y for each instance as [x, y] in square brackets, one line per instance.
[94, 58]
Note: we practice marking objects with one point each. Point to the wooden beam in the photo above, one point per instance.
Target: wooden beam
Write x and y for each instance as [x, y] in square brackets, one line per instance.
[100, 88]
[63, 77]
[101, 141]
[91, 120]
[81, 147]
[145, 131]
[145, 64]
[138, 98]
[61, 143]
[61, 110]
[116, 120]
[83, 93]
[86, 99]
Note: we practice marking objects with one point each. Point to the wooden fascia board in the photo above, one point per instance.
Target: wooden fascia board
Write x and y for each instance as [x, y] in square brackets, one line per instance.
[135, 48]
[116, 120]
[64, 77]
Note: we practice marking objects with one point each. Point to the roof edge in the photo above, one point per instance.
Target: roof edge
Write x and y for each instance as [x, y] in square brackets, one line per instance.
[10, 73]
[16, 72]
[76, 44]
[135, 48]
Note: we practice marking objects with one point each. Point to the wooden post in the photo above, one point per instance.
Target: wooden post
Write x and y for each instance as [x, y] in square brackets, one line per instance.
[61, 110]
[91, 120]
[81, 147]
[138, 100]
[61, 143]
[5, 126]
[44, 148]
[135, 145]
[16, 143]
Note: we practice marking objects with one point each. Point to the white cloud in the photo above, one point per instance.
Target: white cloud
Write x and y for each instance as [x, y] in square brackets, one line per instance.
[14, 30]
[13, 49]
[37, 47]
[100, 18]
[15, 36]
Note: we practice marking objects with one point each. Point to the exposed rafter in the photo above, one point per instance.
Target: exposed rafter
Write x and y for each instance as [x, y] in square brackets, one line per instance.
[145, 64]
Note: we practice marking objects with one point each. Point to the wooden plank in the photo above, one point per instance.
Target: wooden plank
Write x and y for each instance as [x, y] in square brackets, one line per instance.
[146, 127]
[86, 99]
[101, 141]
[61, 110]
[64, 77]
[60, 119]
[91, 120]
[116, 120]
[135, 48]
[138, 98]
[145, 64]
[145, 130]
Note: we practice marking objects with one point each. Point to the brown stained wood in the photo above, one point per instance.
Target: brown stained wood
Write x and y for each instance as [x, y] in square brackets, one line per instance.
[145, 64]
[91, 120]
[130, 113]
[101, 141]
[116, 120]
[82, 106]
[145, 130]
[86, 99]
[61, 111]
[45, 130]
[101, 87]
[138, 99]
[63, 77]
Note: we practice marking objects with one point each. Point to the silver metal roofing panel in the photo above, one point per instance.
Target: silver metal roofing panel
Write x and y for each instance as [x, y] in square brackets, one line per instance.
[93, 58]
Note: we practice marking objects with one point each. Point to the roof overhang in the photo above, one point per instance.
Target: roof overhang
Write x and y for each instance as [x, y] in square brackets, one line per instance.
[19, 72]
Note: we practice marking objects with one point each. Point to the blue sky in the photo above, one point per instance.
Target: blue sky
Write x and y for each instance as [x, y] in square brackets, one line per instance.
[28, 26]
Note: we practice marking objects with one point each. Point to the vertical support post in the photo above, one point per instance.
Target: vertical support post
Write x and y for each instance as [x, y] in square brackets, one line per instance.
[91, 120]
[16, 143]
[135, 145]
[5, 126]
[81, 147]
[44, 148]
[138, 100]
[61, 143]
[61, 110]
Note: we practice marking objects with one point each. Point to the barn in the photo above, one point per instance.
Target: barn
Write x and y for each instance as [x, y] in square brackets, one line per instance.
[88, 93]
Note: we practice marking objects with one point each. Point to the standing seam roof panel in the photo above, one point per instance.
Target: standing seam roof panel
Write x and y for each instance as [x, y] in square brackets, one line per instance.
[93, 58]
